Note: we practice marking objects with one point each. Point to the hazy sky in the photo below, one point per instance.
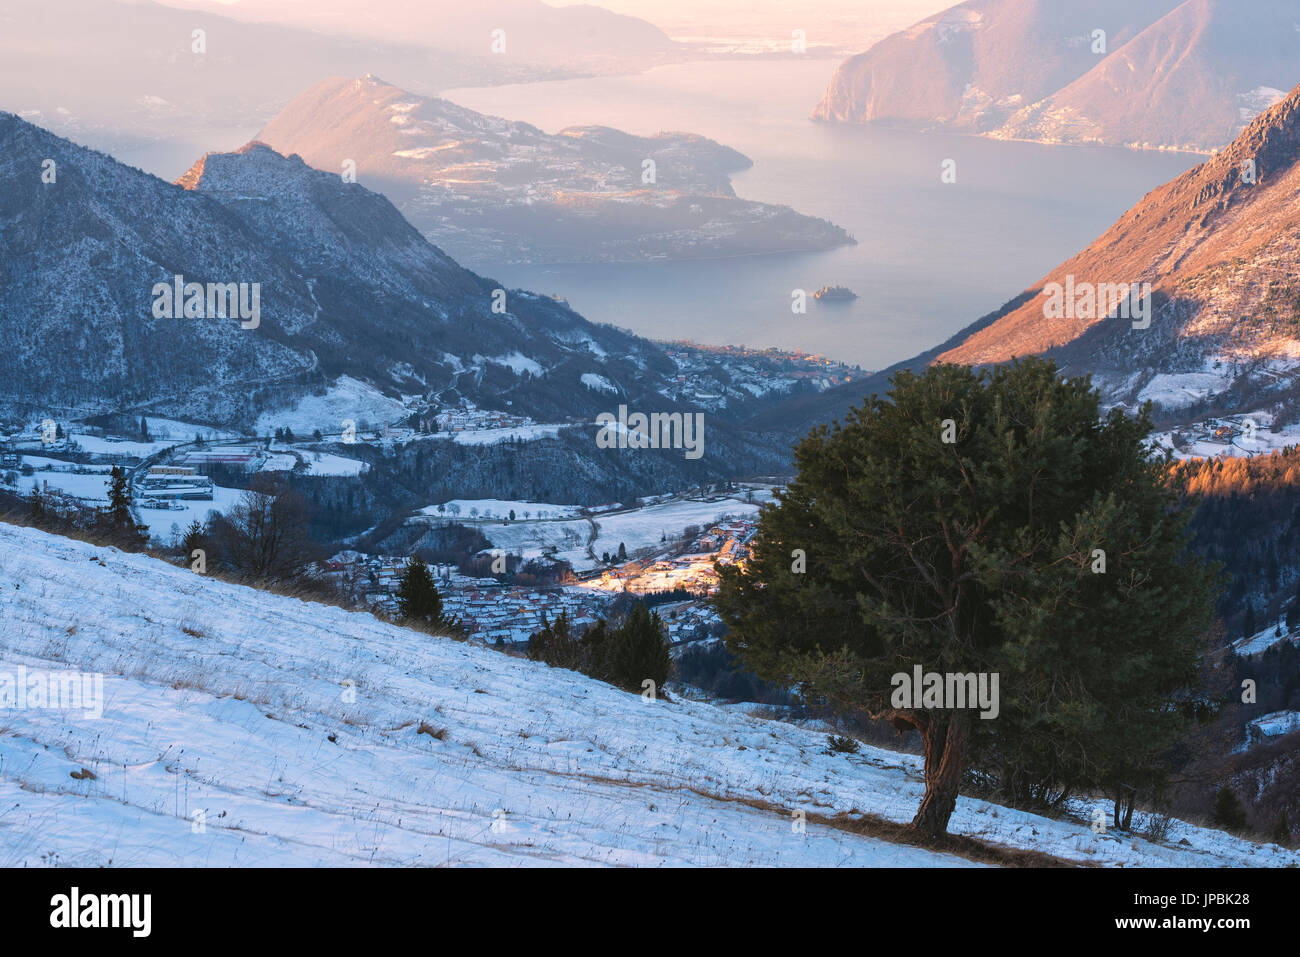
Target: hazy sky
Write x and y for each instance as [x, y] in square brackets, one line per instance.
[844, 24]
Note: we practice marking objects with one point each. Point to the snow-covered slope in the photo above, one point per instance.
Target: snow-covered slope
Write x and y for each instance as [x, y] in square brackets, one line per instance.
[237, 704]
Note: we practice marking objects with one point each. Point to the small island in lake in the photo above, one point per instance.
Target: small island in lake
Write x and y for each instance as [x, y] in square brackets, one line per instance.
[835, 293]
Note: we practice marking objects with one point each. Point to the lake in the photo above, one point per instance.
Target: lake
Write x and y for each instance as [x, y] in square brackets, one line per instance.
[931, 256]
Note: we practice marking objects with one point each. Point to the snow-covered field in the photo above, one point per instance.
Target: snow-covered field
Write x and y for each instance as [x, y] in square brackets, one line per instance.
[645, 527]
[160, 521]
[498, 507]
[325, 463]
[1263, 639]
[524, 433]
[162, 429]
[245, 728]
[346, 400]
[97, 446]
[92, 488]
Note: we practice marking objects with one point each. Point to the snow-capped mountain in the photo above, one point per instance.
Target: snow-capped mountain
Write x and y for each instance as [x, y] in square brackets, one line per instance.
[1181, 74]
[239, 727]
[346, 286]
[1218, 247]
[490, 190]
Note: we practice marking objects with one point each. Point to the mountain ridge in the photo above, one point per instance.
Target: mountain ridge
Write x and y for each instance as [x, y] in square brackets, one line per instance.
[1220, 254]
[492, 190]
[347, 286]
[1167, 74]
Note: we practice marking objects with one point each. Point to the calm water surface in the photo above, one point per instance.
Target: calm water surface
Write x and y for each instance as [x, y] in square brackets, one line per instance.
[931, 257]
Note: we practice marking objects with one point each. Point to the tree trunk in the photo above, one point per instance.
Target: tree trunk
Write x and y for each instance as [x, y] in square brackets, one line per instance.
[946, 739]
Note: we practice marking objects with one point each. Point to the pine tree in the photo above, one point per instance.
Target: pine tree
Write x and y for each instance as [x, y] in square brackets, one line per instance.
[119, 500]
[556, 644]
[638, 650]
[622, 552]
[1229, 815]
[36, 507]
[417, 595]
[121, 525]
[195, 538]
[1282, 830]
[953, 525]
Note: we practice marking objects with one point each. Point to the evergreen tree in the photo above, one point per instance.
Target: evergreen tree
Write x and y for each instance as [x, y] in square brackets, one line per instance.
[37, 510]
[638, 649]
[119, 499]
[144, 428]
[1282, 830]
[417, 595]
[119, 518]
[195, 538]
[954, 525]
[556, 645]
[622, 552]
[1228, 812]
[1250, 626]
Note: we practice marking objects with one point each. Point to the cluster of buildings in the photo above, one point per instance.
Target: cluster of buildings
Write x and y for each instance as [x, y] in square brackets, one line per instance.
[475, 419]
[164, 484]
[492, 611]
[710, 373]
[688, 620]
[487, 609]
[234, 456]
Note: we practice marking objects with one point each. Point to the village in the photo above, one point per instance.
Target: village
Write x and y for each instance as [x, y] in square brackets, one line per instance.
[493, 610]
[660, 549]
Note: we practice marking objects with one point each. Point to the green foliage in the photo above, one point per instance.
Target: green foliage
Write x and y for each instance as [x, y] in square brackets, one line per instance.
[417, 596]
[626, 655]
[839, 745]
[118, 517]
[556, 645]
[195, 538]
[36, 505]
[638, 650]
[1282, 830]
[119, 499]
[1228, 811]
[977, 556]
